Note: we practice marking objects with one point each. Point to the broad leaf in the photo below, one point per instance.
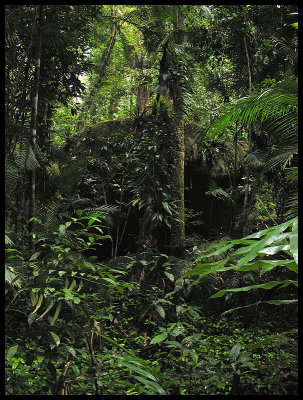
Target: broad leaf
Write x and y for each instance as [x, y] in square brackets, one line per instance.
[234, 352]
[267, 285]
[55, 337]
[293, 242]
[11, 352]
[159, 338]
[160, 310]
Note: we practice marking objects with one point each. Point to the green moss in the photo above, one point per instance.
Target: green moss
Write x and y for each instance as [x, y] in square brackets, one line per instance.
[105, 129]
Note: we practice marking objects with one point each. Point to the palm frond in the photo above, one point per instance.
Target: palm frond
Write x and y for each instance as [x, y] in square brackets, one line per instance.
[284, 128]
[283, 46]
[26, 158]
[292, 205]
[11, 175]
[274, 103]
[255, 159]
[291, 174]
[280, 157]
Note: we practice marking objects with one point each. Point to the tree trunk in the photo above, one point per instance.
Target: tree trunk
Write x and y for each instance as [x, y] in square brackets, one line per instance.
[247, 170]
[178, 225]
[234, 177]
[33, 124]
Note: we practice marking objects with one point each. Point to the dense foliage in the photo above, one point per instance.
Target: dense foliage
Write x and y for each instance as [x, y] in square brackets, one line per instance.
[151, 228]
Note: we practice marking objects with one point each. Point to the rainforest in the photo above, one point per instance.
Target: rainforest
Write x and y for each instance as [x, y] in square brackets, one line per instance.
[151, 199]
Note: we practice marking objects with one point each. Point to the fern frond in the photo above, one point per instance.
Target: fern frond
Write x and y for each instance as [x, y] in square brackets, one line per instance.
[103, 210]
[218, 192]
[8, 240]
[26, 158]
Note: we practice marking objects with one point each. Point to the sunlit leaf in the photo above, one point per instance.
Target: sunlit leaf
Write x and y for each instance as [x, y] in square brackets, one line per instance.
[11, 352]
[159, 338]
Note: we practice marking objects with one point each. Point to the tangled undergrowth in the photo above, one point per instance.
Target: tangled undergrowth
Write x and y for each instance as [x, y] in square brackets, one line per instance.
[78, 327]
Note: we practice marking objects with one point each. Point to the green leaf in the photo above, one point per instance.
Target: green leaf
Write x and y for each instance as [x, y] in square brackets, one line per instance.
[279, 302]
[289, 264]
[234, 352]
[55, 337]
[293, 241]
[159, 338]
[267, 265]
[222, 248]
[56, 313]
[11, 352]
[38, 303]
[258, 264]
[267, 285]
[109, 280]
[166, 207]
[91, 221]
[204, 269]
[151, 385]
[169, 276]
[73, 284]
[52, 302]
[35, 255]
[160, 310]
[31, 318]
[114, 342]
[138, 370]
[76, 300]
[272, 236]
[135, 202]
[174, 344]
[68, 295]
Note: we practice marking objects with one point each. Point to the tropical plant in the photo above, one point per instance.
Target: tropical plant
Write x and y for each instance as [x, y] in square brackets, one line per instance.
[276, 111]
[255, 252]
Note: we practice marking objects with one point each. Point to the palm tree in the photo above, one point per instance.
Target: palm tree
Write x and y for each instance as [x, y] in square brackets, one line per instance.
[275, 110]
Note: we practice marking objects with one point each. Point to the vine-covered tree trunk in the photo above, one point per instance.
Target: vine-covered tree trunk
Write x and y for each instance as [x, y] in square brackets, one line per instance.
[33, 123]
[178, 225]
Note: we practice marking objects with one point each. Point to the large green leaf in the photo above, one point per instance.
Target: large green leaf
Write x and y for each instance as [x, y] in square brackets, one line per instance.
[138, 370]
[160, 310]
[267, 265]
[154, 386]
[235, 351]
[278, 101]
[159, 338]
[272, 302]
[11, 352]
[272, 236]
[267, 285]
[293, 242]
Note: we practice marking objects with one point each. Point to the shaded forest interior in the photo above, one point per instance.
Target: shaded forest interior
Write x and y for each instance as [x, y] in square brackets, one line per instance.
[151, 164]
